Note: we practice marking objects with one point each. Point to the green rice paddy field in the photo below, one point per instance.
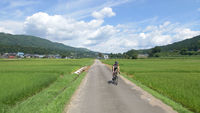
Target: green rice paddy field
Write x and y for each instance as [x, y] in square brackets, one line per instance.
[37, 84]
[177, 79]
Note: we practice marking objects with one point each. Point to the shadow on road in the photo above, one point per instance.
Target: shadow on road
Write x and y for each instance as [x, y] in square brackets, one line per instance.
[111, 82]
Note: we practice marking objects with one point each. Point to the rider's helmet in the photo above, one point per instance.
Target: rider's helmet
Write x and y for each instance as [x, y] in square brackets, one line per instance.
[116, 62]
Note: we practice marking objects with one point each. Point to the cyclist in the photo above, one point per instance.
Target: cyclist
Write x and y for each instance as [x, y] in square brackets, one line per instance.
[115, 69]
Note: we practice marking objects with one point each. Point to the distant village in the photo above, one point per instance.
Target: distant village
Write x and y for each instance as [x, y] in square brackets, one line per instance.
[23, 55]
[52, 56]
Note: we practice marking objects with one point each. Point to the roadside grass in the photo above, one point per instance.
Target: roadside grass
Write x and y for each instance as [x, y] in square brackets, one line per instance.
[176, 79]
[180, 57]
[52, 99]
[21, 79]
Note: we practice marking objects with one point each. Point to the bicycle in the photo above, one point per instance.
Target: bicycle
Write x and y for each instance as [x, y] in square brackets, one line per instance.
[115, 78]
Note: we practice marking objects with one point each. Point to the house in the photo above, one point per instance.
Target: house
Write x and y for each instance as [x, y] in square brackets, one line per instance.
[53, 56]
[9, 55]
[41, 56]
[49, 56]
[5, 55]
[58, 56]
[142, 55]
[28, 56]
[105, 56]
[68, 57]
[38, 56]
[20, 54]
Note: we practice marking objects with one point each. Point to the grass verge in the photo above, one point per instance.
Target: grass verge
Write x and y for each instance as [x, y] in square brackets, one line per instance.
[52, 99]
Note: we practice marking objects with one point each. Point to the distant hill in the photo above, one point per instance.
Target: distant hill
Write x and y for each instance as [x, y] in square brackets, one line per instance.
[185, 47]
[32, 44]
[192, 44]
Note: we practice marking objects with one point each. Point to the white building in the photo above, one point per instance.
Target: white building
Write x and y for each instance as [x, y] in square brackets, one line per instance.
[106, 57]
[20, 54]
[143, 56]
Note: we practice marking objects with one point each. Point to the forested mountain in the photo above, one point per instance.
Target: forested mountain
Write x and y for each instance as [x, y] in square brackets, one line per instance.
[32, 44]
[192, 44]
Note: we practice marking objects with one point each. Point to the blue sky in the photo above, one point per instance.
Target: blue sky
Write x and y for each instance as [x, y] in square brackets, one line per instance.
[103, 25]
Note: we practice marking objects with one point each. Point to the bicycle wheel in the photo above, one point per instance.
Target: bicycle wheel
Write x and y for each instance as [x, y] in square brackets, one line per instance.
[116, 80]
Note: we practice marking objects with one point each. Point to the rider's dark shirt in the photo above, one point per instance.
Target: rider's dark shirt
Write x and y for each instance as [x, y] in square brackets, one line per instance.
[115, 67]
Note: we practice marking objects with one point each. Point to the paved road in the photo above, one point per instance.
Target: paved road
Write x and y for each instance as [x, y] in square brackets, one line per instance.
[97, 95]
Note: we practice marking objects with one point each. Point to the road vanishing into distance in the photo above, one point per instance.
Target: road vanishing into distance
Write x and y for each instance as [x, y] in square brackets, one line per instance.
[97, 95]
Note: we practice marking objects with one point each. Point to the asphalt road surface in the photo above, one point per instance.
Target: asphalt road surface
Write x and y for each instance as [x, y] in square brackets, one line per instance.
[97, 95]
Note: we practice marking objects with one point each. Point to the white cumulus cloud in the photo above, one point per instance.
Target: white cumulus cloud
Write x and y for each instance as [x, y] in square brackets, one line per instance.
[71, 32]
[105, 12]
[5, 30]
[13, 27]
